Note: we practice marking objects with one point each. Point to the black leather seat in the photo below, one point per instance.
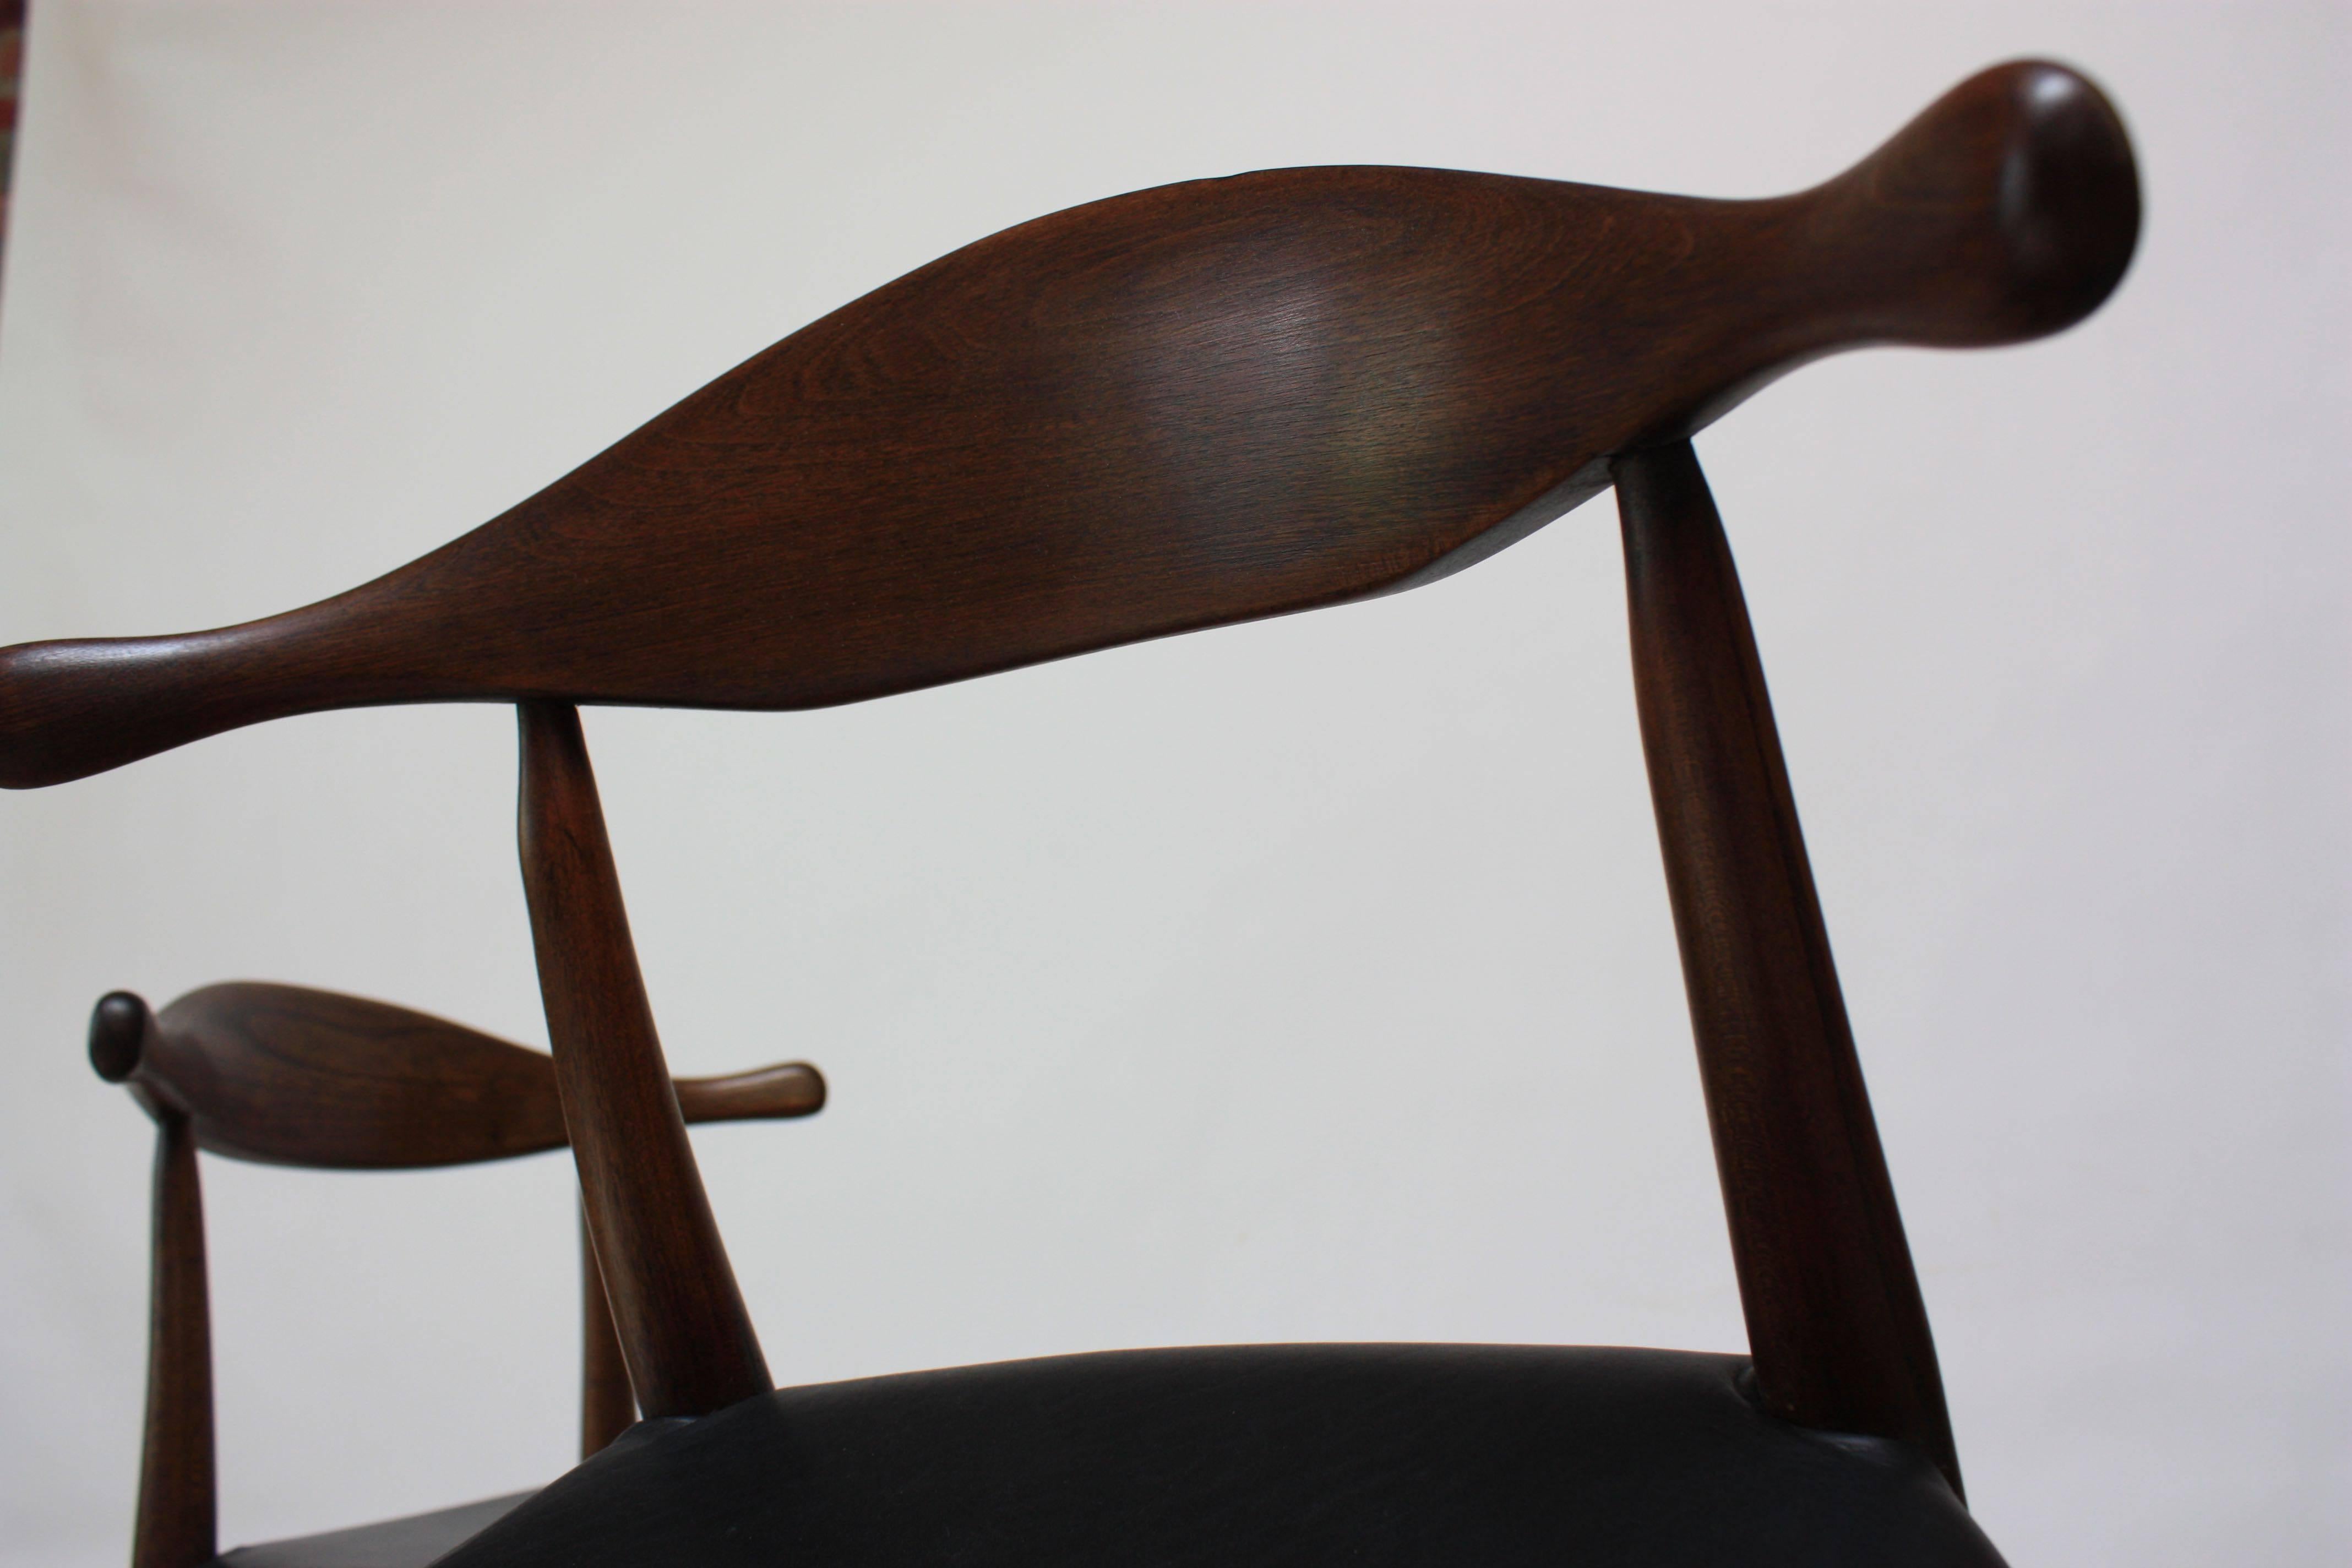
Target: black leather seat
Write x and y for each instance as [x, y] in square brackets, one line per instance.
[1372, 1455]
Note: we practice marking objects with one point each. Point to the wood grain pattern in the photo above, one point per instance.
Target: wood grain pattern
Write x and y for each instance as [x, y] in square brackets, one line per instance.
[286, 1075]
[683, 1330]
[1835, 1322]
[174, 1524]
[1169, 410]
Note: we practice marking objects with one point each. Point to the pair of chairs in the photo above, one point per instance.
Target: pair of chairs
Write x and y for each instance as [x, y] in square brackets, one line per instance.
[1172, 410]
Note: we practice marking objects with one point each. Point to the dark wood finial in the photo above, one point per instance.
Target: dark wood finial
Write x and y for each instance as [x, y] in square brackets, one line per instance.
[117, 1033]
[2009, 209]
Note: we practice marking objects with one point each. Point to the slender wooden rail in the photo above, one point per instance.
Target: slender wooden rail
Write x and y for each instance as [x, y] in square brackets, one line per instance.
[1835, 1322]
[683, 1330]
[607, 1403]
[174, 1525]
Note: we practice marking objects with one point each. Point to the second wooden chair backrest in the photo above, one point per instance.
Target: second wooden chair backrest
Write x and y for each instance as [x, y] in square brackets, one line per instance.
[288, 1076]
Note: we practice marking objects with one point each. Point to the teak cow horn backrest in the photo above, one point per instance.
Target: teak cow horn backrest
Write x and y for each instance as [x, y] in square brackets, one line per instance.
[1176, 409]
[284, 1074]
[1169, 410]
[288, 1076]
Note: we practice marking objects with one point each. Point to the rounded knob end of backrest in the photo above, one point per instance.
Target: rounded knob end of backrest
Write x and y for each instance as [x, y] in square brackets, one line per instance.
[2068, 208]
[117, 1035]
[2008, 210]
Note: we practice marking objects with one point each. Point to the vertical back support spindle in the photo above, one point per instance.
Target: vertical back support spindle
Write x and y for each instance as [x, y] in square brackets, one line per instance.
[607, 1404]
[174, 1528]
[1835, 1323]
[683, 1328]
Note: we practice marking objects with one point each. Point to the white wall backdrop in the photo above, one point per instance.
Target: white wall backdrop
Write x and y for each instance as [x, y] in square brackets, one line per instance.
[1312, 979]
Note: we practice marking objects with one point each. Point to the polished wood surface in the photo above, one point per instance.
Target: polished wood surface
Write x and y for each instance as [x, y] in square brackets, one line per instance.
[1835, 1322]
[1169, 410]
[683, 1330]
[761, 1094]
[286, 1075]
[607, 1403]
[174, 1523]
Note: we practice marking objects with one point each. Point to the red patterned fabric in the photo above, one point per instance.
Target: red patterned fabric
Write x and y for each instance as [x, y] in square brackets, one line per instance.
[12, 71]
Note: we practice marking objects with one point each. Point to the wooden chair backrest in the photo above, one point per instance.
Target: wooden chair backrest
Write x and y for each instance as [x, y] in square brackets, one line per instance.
[1177, 409]
[283, 1074]
[288, 1076]
[1169, 410]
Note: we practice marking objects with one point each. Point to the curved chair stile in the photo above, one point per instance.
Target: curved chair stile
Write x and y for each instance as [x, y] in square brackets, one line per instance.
[1172, 410]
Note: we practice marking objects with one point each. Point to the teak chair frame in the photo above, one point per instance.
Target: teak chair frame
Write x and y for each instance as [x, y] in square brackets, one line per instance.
[1178, 409]
[282, 1075]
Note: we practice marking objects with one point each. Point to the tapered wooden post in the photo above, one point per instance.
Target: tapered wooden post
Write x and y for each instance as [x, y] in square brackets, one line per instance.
[683, 1328]
[175, 1519]
[1835, 1324]
[607, 1404]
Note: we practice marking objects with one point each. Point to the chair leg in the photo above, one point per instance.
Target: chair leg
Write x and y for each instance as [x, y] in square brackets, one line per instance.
[175, 1519]
[684, 1331]
[1835, 1323]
